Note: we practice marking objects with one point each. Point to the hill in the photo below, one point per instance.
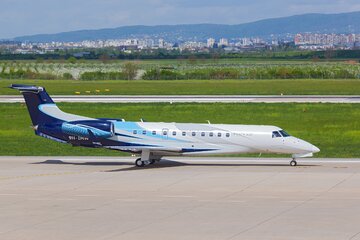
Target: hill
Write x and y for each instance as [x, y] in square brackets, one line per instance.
[320, 23]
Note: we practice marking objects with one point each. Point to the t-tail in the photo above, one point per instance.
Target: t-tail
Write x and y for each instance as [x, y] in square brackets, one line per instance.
[52, 123]
[35, 97]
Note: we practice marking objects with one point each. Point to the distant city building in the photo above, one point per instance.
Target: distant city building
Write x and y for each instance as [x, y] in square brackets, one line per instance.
[324, 41]
[210, 42]
[223, 42]
[275, 42]
[161, 43]
[303, 41]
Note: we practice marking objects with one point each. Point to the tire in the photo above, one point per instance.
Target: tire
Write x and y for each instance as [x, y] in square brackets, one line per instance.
[139, 163]
[293, 163]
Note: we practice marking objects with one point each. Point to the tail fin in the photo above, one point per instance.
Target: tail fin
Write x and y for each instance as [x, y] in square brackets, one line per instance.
[35, 96]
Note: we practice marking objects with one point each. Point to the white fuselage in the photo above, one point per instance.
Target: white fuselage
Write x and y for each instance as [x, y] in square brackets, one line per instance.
[205, 139]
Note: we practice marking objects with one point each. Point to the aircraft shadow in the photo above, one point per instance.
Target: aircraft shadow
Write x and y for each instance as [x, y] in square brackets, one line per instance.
[164, 164]
[61, 162]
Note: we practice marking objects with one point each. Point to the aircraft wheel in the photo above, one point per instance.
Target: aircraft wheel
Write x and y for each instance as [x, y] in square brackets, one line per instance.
[152, 161]
[293, 163]
[139, 163]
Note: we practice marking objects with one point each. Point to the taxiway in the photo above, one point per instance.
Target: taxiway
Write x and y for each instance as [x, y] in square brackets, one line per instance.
[203, 198]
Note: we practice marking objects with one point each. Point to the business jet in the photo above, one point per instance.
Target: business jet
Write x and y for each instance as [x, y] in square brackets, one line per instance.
[154, 140]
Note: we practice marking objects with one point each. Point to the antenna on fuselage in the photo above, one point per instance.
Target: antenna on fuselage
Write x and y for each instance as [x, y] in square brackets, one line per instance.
[208, 121]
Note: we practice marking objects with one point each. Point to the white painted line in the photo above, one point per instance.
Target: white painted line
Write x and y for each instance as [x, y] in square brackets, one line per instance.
[176, 196]
[86, 195]
[197, 98]
[51, 199]
[139, 200]
[235, 201]
[10, 194]
[39, 199]
[294, 201]
[260, 161]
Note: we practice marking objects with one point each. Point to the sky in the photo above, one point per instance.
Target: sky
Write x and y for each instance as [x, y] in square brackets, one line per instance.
[28, 17]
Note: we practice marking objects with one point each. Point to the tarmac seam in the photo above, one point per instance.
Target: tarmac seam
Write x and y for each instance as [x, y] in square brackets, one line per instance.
[354, 236]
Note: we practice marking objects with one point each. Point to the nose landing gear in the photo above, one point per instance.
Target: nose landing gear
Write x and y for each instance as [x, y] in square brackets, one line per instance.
[293, 163]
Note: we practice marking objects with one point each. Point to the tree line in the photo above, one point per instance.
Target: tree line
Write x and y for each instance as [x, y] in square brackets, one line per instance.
[115, 54]
[130, 72]
[276, 72]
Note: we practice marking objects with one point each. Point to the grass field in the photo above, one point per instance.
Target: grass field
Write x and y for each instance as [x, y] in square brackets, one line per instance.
[194, 87]
[334, 128]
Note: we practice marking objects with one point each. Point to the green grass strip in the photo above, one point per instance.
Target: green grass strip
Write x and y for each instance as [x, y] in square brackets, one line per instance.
[193, 87]
[334, 128]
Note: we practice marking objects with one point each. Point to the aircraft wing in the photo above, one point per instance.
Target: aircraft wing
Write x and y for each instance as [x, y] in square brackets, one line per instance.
[139, 149]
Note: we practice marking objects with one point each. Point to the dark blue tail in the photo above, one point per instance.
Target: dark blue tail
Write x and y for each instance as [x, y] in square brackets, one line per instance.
[35, 96]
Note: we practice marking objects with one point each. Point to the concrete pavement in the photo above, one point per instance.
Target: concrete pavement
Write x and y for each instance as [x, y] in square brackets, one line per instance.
[207, 198]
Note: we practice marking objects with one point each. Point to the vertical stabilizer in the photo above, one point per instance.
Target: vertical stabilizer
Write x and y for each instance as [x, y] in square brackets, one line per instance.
[34, 97]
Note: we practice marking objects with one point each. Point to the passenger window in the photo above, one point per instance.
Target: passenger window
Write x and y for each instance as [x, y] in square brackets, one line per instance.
[174, 133]
[165, 133]
[144, 132]
[276, 134]
[134, 132]
[193, 134]
[219, 134]
[211, 134]
[184, 134]
[203, 134]
[227, 134]
[153, 132]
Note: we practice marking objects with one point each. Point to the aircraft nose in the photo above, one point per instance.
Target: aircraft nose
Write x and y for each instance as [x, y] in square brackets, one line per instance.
[307, 147]
[315, 149]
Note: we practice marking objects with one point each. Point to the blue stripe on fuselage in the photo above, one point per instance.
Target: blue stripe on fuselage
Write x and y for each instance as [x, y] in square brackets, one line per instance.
[131, 126]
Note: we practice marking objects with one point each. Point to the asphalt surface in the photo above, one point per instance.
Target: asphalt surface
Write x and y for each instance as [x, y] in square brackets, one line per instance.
[199, 99]
[218, 198]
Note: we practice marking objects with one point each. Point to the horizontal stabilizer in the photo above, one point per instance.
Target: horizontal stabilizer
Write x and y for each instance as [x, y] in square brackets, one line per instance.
[28, 88]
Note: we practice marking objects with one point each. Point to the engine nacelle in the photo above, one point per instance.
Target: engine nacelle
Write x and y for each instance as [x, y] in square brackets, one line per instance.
[89, 129]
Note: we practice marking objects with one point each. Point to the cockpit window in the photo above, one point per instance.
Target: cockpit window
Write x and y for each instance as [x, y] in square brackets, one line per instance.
[276, 134]
[284, 134]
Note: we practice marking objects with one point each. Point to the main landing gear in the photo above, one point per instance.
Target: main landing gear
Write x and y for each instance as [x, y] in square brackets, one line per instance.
[146, 159]
[293, 163]
[140, 163]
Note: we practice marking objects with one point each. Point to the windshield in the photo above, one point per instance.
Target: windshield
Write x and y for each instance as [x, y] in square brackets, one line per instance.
[284, 134]
[276, 134]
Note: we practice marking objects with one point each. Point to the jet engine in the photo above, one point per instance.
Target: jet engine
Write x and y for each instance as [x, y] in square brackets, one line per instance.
[89, 129]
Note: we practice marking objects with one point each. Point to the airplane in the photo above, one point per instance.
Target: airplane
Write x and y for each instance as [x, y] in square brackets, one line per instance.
[154, 140]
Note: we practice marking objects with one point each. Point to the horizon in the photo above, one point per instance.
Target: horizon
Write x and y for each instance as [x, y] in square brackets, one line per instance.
[24, 18]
